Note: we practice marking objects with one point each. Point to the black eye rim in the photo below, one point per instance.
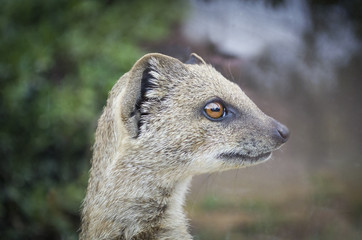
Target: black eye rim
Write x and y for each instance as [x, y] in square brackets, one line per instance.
[224, 106]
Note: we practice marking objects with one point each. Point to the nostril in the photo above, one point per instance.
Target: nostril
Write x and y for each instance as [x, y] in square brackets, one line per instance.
[283, 132]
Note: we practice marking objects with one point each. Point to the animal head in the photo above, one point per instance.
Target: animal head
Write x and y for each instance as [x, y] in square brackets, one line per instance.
[192, 119]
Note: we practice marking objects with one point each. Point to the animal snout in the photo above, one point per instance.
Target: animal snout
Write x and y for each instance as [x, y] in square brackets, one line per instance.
[281, 133]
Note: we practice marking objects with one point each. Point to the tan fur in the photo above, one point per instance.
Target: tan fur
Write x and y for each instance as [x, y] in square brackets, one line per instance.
[141, 172]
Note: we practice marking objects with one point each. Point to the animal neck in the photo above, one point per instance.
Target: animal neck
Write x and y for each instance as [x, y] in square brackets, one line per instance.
[174, 221]
[154, 209]
[139, 206]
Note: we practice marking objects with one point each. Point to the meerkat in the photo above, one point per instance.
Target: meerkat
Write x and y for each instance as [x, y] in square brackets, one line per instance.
[164, 122]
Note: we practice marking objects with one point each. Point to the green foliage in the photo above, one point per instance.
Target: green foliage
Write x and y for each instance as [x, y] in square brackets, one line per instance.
[59, 59]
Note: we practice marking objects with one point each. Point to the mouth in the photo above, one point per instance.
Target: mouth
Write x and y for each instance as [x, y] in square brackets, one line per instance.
[245, 158]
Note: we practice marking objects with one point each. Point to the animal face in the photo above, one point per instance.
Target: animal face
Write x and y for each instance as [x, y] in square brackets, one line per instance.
[195, 118]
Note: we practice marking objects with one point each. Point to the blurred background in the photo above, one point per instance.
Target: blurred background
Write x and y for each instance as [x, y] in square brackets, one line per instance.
[300, 61]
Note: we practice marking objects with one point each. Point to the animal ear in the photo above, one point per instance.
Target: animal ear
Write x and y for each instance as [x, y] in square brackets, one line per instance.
[146, 82]
[195, 59]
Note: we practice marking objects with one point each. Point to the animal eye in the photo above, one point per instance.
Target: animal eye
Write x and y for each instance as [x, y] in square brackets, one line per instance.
[214, 110]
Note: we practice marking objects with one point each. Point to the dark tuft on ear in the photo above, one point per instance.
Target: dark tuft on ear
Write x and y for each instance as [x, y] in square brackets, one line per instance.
[146, 85]
[145, 88]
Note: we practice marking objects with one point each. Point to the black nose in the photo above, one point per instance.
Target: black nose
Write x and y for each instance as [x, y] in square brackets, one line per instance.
[282, 132]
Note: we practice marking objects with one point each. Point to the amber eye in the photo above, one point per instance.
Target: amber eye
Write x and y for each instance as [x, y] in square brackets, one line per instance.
[214, 110]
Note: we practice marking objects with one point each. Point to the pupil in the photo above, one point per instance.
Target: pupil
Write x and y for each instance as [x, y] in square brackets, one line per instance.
[215, 109]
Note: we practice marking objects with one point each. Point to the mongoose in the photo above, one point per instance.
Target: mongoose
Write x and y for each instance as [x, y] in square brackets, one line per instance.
[164, 122]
